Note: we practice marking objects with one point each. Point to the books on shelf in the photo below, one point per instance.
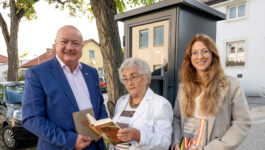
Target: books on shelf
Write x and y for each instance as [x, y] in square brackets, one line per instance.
[193, 134]
[82, 124]
[106, 128]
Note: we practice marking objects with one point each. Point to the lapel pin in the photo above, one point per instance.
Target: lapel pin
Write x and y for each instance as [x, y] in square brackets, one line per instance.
[86, 73]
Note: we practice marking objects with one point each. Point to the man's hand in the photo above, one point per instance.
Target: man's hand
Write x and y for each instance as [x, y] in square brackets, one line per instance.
[82, 142]
[177, 147]
[129, 134]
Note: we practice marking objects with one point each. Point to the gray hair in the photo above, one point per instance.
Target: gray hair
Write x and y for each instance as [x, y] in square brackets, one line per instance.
[141, 65]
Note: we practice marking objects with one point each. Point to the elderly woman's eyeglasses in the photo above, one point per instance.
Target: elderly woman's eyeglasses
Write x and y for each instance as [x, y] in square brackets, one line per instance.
[133, 78]
[204, 53]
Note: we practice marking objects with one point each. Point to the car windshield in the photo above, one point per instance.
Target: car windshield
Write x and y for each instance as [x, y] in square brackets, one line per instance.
[14, 93]
[100, 79]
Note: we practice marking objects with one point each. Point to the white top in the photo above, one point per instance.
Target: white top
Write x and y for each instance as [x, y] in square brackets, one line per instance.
[78, 85]
[153, 119]
[123, 122]
[197, 107]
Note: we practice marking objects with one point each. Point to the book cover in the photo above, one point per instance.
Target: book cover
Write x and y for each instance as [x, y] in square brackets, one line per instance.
[106, 128]
[193, 134]
[82, 124]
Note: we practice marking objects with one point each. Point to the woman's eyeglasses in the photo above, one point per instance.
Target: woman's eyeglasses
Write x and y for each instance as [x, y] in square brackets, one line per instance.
[204, 53]
[132, 79]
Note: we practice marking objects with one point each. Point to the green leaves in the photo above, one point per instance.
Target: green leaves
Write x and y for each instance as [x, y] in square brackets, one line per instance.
[121, 4]
[30, 13]
[75, 7]
[5, 4]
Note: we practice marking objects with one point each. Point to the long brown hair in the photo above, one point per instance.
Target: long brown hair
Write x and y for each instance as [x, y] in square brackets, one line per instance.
[192, 85]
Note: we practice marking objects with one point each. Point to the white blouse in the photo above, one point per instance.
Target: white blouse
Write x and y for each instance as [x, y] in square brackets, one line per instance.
[197, 107]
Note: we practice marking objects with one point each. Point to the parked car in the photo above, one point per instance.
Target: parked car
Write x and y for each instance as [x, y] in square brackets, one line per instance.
[11, 115]
[102, 84]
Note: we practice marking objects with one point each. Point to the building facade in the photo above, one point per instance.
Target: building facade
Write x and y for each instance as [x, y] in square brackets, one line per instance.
[240, 40]
[92, 56]
[3, 68]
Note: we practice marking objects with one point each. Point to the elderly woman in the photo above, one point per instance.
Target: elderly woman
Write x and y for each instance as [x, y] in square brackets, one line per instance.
[145, 117]
[206, 92]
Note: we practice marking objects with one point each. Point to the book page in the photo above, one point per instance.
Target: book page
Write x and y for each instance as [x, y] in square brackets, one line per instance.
[90, 118]
[106, 128]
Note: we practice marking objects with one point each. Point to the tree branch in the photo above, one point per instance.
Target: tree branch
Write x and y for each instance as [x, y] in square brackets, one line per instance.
[12, 5]
[4, 29]
[22, 12]
[61, 2]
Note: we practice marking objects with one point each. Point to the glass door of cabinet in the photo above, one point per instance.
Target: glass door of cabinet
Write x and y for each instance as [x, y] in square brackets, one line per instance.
[150, 43]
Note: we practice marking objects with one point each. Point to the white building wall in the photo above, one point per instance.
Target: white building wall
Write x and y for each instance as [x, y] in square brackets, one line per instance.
[252, 30]
[3, 68]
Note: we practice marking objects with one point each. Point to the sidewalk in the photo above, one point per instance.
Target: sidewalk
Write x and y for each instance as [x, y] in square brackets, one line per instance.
[257, 108]
[255, 139]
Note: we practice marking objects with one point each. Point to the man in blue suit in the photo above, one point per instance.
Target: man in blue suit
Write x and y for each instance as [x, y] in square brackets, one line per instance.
[57, 88]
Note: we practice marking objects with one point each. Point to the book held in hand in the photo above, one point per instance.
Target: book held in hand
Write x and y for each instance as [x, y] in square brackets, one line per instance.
[106, 128]
[82, 124]
[193, 134]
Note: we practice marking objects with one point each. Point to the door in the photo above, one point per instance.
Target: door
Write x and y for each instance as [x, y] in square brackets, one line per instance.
[150, 43]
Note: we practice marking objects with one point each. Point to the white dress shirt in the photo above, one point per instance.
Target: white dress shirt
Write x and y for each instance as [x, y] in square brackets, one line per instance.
[78, 85]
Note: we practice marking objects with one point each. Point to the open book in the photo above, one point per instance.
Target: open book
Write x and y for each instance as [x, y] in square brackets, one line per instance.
[82, 124]
[106, 128]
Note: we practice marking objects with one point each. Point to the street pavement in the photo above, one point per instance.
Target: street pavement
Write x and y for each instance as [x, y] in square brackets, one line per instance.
[256, 138]
[254, 141]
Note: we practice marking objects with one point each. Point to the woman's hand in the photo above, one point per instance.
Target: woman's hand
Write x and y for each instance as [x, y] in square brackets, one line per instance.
[129, 134]
[177, 147]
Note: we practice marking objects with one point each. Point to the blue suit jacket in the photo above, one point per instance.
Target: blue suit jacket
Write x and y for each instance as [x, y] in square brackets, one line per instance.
[48, 103]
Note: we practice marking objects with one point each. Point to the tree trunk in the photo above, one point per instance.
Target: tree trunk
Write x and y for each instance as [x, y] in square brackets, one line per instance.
[11, 39]
[104, 11]
[12, 50]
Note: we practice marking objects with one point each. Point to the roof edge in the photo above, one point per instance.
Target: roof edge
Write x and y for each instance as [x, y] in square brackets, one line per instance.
[167, 3]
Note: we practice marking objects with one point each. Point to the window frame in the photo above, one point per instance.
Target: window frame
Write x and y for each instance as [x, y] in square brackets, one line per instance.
[99, 68]
[154, 36]
[236, 6]
[141, 38]
[235, 63]
[89, 54]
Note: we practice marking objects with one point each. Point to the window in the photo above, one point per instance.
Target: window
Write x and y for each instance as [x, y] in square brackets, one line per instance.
[14, 93]
[237, 12]
[235, 53]
[100, 71]
[157, 70]
[143, 38]
[241, 10]
[155, 67]
[159, 35]
[91, 54]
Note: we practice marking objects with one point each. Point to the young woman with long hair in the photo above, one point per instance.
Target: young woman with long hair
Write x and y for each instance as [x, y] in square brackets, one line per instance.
[206, 92]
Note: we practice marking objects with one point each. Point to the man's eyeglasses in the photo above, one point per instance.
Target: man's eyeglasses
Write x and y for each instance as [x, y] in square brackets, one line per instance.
[133, 78]
[204, 53]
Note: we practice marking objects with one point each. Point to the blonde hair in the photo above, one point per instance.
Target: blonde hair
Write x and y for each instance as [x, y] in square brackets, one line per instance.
[192, 85]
